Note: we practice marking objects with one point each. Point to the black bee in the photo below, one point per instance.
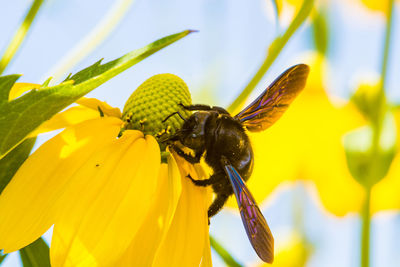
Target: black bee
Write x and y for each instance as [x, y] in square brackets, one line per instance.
[222, 139]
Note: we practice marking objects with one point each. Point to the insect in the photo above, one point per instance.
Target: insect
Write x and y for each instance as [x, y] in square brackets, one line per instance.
[222, 139]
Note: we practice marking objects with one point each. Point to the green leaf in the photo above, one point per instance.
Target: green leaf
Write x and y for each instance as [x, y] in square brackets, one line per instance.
[35, 254]
[21, 116]
[320, 30]
[6, 82]
[13, 160]
[366, 165]
[46, 83]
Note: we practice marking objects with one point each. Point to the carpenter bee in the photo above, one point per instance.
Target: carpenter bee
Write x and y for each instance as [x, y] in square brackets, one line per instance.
[222, 139]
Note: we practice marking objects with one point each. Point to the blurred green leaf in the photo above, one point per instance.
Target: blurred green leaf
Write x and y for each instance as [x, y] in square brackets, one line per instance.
[2, 257]
[367, 165]
[11, 162]
[370, 102]
[35, 254]
[320, 29]
[21, 116]
[223, 253]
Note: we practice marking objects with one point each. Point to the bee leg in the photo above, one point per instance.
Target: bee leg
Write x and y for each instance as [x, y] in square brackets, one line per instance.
[217, 204]
[213, 178]
[100, 111]
[187, 157]
[220, 200]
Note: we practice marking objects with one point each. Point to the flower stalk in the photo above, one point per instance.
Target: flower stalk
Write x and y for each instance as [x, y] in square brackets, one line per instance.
[377, 131]
[19, 35]
[365, 229]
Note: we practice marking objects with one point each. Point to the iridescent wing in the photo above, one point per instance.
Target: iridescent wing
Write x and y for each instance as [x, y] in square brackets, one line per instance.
[257, 229]
[274, 101]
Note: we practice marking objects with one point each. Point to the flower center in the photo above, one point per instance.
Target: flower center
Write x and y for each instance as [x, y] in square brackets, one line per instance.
[152, 102]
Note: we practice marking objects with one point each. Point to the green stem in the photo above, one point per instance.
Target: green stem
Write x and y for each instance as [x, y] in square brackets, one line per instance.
[381, 106]
[365, 232]
[19, 35]
[274, 50]
[223, 253]
[388, 34]
[377, 129]
[384, 67]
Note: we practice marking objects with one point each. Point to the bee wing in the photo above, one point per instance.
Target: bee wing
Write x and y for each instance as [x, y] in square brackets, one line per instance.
[257, 229]
[274, 101]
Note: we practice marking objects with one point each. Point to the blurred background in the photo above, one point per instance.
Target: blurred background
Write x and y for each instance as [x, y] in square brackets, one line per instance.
[343, 42]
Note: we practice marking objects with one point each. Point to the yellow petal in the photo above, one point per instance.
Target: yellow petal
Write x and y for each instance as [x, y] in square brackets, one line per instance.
[28, 203]
[88, 109]
[96, 104]
[66, 118]
[156, 225]
[19, 88]
[185, 240]
[109, 199]
[206, 261]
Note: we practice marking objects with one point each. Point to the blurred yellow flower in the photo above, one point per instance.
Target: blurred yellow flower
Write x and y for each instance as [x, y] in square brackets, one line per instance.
[295, 4]
[286, 6]
[374, 5]
[385, 194]
[306, 143]
[111, 201]
[294, 253]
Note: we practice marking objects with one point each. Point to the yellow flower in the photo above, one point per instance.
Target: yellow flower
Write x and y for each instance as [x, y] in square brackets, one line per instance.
[111, 200]
[307, 143]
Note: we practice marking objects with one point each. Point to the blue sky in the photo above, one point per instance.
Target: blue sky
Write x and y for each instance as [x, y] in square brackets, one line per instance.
[221, 58]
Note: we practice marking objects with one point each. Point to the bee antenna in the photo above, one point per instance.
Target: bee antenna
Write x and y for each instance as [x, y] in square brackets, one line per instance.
[172, 114]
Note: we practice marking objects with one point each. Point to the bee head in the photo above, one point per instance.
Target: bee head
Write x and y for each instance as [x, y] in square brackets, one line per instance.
[193, 132]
